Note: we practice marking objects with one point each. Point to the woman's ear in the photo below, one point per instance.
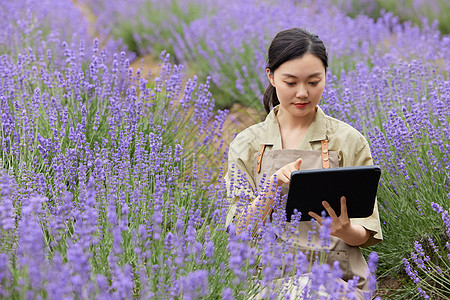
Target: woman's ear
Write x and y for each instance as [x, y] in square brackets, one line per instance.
[270, 76]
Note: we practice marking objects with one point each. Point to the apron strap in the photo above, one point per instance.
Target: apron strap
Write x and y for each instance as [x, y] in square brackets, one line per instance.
[260, 155]
[325, 159]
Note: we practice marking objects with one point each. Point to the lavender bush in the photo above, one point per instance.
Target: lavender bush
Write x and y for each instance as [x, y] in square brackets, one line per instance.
[429, 261]
[41, 27]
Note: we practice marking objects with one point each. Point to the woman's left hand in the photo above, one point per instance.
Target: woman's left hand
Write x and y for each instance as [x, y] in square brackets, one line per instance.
[352, 234]
[340, 225]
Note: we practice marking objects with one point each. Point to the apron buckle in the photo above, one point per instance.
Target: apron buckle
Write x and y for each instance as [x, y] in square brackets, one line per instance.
[325, 159]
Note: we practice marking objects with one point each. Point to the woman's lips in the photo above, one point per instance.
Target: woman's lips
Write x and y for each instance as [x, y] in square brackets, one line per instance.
[301, 105]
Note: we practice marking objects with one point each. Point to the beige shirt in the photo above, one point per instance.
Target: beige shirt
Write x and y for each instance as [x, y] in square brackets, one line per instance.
[350, 145]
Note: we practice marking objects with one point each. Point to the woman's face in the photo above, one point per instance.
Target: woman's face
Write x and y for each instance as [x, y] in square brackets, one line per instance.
[299, 84]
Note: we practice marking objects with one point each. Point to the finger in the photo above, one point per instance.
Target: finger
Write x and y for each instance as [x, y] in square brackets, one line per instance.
[292, 169]
[329, 210]
[285, 177]
[298, 163]
[344, 207]
[315, 216]
[295, 166]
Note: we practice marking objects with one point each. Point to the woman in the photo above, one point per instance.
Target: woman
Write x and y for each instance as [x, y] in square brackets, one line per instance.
[298, 135]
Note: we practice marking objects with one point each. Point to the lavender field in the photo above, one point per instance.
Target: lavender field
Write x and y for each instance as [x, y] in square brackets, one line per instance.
[112, 179]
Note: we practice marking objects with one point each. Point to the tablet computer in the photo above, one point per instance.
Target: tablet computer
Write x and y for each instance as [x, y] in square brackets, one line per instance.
[308, 188]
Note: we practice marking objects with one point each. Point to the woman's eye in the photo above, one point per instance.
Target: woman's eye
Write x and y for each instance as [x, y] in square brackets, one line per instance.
[314, 83]
[290, 83]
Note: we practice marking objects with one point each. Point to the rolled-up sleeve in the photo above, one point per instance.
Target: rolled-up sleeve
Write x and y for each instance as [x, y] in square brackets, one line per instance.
[239, 182]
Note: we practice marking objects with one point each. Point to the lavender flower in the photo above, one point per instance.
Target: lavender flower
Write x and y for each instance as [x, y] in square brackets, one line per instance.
[6, 210]
[436, 207]
[227, 294]
[194, 285]
[325, 231]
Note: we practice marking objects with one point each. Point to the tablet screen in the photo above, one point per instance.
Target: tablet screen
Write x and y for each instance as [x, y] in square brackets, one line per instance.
[308, 188]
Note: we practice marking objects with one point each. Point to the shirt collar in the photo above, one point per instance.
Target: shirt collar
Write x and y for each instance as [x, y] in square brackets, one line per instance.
[317, 131]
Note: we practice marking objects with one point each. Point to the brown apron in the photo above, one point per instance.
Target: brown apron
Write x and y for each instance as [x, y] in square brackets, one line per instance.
[350, 258]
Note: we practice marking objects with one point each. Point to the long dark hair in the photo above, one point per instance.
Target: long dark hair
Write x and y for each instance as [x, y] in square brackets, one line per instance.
[287, 45]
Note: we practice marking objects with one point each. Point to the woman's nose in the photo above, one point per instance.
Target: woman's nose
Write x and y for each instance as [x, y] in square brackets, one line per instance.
[301, 92]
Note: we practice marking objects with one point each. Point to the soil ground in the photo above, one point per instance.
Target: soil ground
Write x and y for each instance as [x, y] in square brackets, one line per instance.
[387, 286]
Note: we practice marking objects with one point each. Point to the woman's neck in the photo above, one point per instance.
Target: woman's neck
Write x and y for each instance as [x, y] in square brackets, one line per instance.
[293, 129]
[289, 122]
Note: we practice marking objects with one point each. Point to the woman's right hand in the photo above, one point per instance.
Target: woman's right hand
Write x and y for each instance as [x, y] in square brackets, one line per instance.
[283, 175]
